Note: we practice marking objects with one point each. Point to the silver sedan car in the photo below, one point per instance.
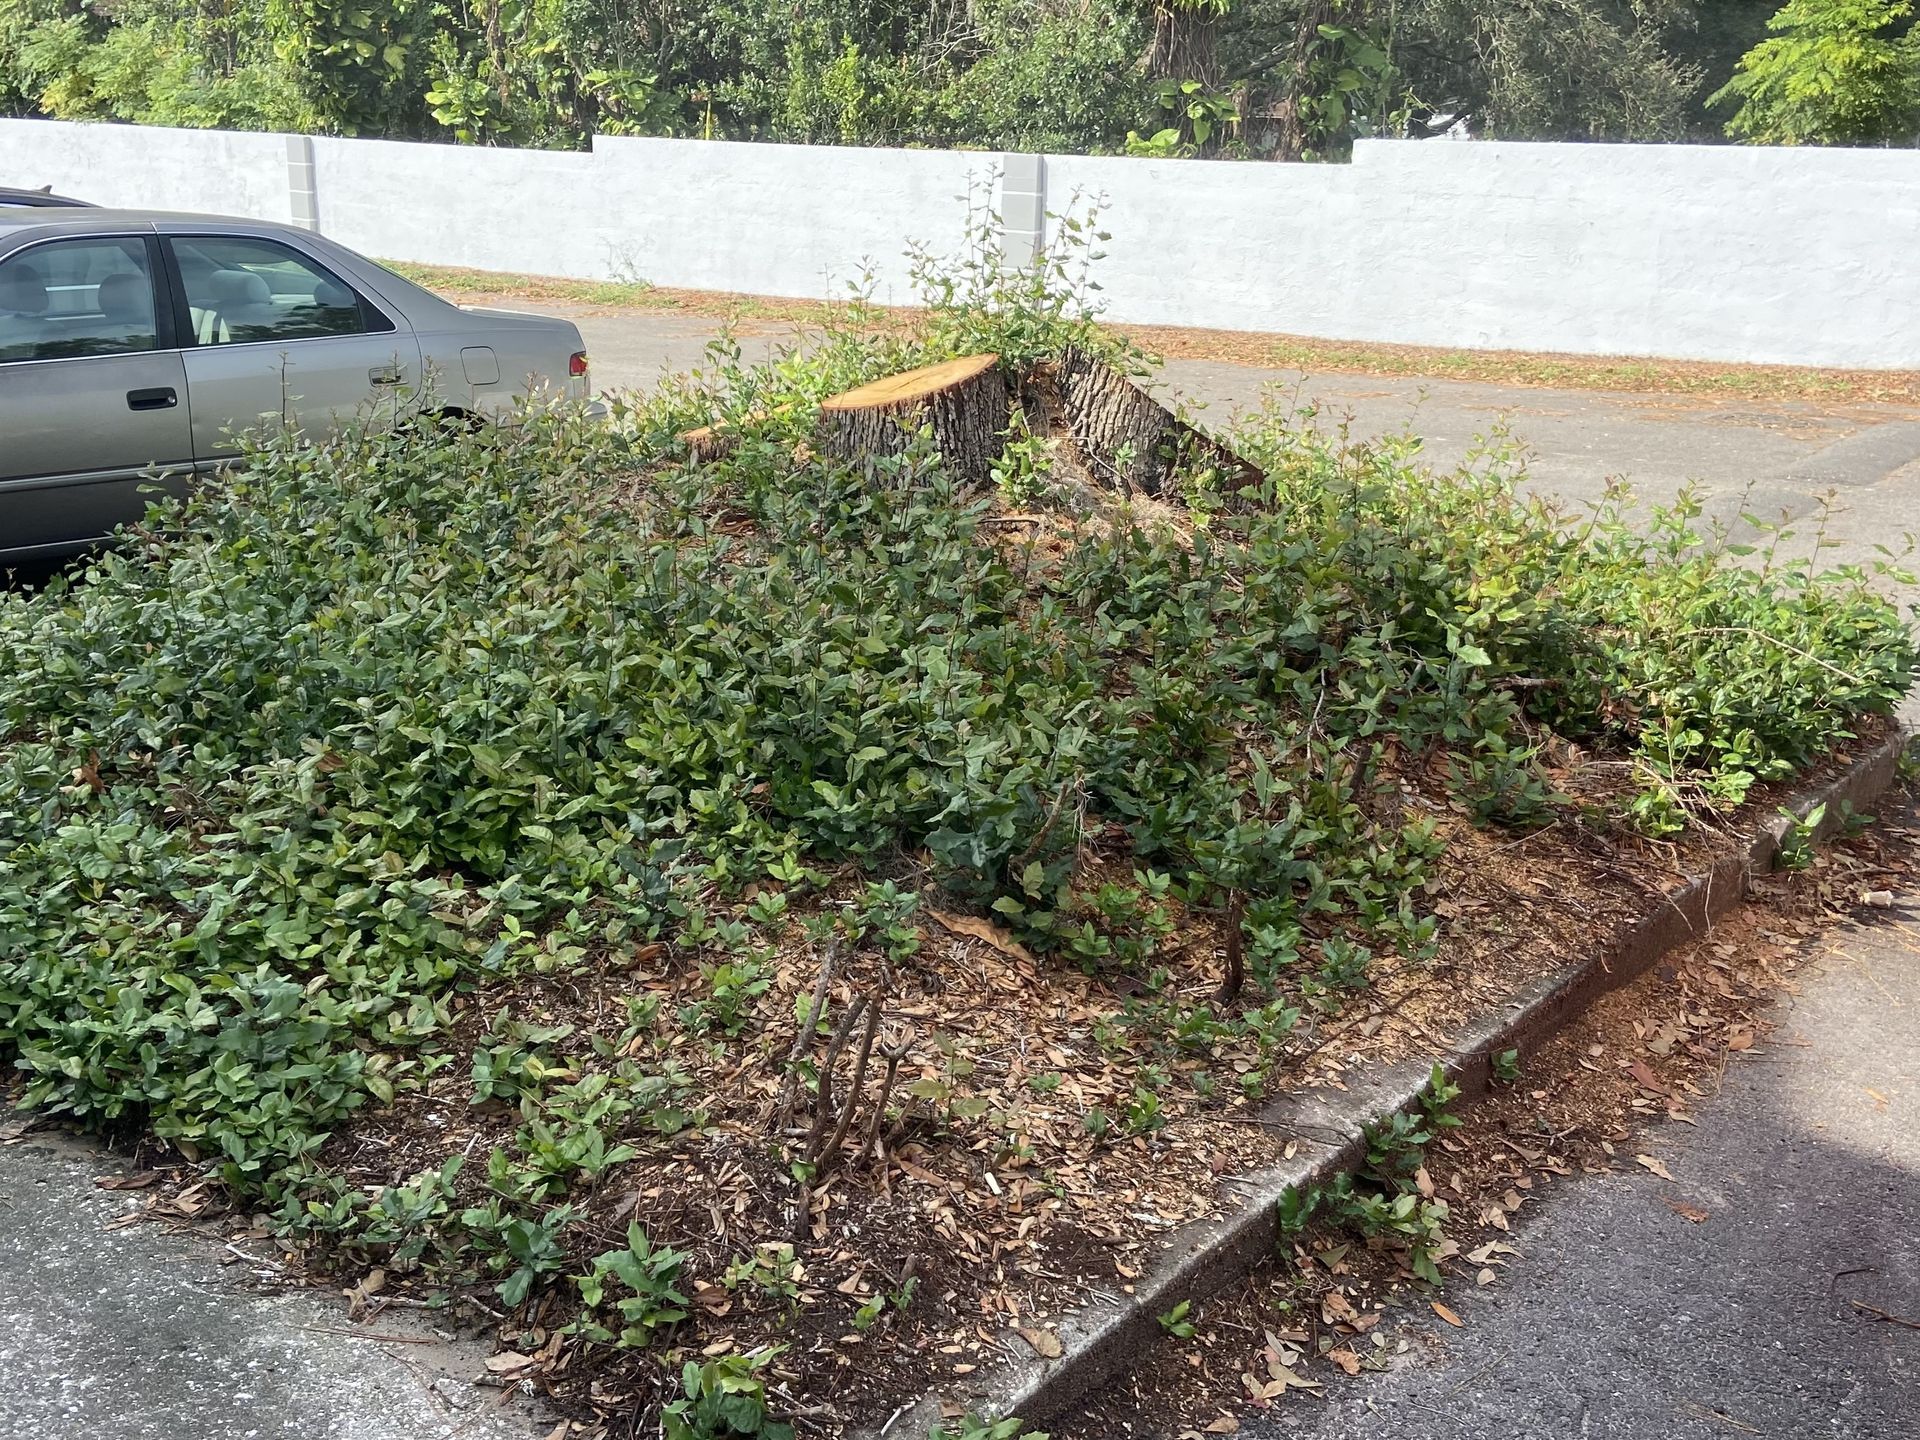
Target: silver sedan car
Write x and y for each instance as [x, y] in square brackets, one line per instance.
[135, 343]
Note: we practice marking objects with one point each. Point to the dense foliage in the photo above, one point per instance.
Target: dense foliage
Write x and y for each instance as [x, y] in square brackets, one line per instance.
[366, 723]
[367, 727]
[1833, 72]
[1262, 78]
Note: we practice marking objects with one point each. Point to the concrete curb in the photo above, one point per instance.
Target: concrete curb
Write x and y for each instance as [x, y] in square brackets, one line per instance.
[1102, 1338]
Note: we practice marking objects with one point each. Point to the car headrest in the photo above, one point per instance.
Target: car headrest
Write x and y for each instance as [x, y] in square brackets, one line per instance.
[330, 296]
[239, 287]
[23, 289]
[127, 299]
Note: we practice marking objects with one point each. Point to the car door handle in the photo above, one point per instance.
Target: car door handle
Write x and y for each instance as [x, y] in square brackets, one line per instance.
[161, 397]
[384, 375]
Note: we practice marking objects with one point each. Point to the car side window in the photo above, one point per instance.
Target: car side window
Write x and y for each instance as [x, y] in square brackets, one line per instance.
[74, 298]
[240, 289]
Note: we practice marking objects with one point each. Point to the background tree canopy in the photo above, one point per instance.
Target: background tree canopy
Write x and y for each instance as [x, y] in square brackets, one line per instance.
[1278, 79]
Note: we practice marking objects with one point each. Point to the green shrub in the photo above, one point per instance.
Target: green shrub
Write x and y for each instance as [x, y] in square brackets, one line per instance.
[364, 728]
[724, 1399]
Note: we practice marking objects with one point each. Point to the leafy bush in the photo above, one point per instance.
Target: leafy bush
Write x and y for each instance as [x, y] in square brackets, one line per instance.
[724, 1399]
[1383, 1200]
[648, 1273]
[364, 729]
[1832, 72]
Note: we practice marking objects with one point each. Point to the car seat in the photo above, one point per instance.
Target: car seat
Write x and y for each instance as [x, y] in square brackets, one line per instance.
[126, 300]
[23, 308]
[244, 303]
[23, 289]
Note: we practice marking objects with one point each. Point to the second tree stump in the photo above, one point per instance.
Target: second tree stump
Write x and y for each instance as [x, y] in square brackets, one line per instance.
[963, 402]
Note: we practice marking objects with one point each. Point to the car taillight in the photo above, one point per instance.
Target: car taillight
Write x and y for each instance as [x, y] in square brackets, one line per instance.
[577, 363]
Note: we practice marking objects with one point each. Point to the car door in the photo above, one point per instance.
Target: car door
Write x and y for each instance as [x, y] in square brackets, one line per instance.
[93, 394]
[277, 338]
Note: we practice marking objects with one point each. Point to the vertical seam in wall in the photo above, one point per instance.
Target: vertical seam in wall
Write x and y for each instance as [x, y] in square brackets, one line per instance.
[303, 191]
[1023, 208]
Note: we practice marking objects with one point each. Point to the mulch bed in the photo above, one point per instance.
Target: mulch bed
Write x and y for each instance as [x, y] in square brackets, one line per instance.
[1337, 1308]
[1005, 1211]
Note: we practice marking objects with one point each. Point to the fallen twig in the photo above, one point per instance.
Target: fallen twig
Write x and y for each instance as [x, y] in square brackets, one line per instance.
[373, 1335]
[1887, 1315]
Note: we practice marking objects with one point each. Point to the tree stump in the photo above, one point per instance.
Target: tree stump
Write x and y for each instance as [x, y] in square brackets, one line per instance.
[709, 442]
[1129, 441]
[963, 401]
[722, 437]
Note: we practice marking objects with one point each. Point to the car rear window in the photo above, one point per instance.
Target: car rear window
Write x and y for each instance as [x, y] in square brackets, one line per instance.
[241, 289]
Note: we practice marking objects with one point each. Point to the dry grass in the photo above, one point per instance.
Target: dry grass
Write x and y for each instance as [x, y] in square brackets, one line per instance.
[1289, 352]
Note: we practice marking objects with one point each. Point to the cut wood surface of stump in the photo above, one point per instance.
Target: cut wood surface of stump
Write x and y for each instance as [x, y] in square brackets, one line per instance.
[964, 402]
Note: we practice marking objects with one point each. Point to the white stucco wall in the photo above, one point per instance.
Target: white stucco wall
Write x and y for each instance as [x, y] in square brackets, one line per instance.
[1699, 252]
[793, 220]
[1694, 252]
[146, 166]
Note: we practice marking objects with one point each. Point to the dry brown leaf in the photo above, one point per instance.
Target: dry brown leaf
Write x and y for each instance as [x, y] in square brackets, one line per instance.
[1685, 1211]
[1335, 1309]
[1645, 1078]
[358, 1295]
[1224, 1425]
[1447, 1315]
[126, 1182]
[1346, 1360]
[1286, 1378]
[1045, 1343]
[509, 1362]
[986, 930]
[1654, 1164]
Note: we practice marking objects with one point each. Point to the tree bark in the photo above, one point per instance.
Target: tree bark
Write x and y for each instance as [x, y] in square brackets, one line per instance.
[1183, 45]
[1129, 441]
[964, 402]
[1296, 126]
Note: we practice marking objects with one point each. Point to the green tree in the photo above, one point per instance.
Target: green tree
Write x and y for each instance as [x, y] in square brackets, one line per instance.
[1833, 72]
[1550, 69]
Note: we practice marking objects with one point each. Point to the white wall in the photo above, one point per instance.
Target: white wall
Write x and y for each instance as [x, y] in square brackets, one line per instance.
[151, 167]
[1697, 252]
[794, 220]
